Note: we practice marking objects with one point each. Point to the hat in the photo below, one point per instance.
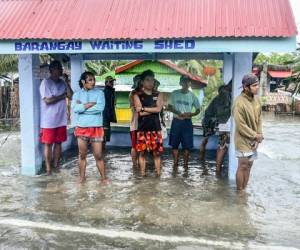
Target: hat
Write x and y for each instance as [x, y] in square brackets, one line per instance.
[109, 79]
[185, 78]
[249, 79]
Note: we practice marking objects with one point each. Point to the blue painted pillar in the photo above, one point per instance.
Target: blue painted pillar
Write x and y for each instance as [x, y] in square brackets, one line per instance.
[227, 67]
[77, 68]
[29, 83]
[242, 64]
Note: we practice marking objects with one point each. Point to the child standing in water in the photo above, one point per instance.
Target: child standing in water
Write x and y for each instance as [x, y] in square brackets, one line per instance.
[88, 103]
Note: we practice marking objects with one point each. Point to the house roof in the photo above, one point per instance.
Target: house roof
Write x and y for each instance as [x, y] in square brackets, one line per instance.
[144, 19]
[280, 74]
[194, 78]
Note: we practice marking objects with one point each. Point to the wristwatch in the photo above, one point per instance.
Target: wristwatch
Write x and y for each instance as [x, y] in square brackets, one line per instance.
[142, 109]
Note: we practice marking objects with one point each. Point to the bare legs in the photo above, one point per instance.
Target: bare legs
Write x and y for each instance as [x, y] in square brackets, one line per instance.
[186, 156]
[243, 173]
[156, 156]
[82, 148]
[203, 148]
[221, 152]
[134, 157]
[98, 155]
[57, 155]
[142, 162]
[48, 157]
[175, 153]
[52, 155]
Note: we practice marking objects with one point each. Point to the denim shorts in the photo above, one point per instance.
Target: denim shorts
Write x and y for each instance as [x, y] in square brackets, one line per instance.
[181, 133]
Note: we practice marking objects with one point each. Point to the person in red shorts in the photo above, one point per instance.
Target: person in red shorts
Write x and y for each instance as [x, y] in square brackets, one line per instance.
[148, 103]
[88, 103]
[54, 92]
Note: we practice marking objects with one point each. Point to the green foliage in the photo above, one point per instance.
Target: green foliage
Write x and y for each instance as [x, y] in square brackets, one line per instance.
[275, 58]
[101, 67]
[8, 64]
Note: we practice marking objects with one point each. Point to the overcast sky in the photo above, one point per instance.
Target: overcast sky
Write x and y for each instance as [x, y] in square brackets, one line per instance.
[296, 9]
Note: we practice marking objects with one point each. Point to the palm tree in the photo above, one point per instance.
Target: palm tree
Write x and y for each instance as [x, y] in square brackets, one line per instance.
[101, 67]
[8, 64]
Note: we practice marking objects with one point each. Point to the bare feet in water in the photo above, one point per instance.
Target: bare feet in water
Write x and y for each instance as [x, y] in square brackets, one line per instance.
[82, 180]
[104, 181]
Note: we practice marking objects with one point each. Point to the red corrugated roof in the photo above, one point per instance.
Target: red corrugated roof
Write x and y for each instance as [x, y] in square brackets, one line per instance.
[280, 74]
[194, 78]
[144, 19]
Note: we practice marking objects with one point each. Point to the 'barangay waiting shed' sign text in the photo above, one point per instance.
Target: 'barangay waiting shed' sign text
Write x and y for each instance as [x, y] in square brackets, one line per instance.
[168, 46]
[104, 46]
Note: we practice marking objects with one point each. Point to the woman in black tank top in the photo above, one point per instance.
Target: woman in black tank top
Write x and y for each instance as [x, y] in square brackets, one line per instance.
[149, 122]
[148, 104]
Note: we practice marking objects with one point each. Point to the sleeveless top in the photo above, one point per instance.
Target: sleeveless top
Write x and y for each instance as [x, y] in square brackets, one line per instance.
[149, 122]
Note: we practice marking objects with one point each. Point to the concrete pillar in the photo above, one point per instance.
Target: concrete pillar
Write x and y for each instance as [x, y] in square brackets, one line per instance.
[77, 68]
[201, 96]
[263, 80]
[29, 83]
[227, 67]
[242, 64]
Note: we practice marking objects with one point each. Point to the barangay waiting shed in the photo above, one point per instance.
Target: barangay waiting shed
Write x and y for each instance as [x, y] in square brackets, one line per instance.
[228, 30]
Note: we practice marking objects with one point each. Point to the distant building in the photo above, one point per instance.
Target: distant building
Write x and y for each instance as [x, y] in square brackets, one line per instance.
[166, 72]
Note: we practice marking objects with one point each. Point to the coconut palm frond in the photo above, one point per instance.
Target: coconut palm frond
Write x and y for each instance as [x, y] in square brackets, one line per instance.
[8, 64]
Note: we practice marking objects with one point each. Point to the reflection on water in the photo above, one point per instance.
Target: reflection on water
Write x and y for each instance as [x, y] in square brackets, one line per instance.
[191, 204]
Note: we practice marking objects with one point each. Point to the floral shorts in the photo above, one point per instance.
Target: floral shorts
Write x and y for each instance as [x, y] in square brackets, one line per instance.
[150, 141]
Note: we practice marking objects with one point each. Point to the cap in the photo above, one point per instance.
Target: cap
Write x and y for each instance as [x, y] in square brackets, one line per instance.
[109, 79]
[249, 79]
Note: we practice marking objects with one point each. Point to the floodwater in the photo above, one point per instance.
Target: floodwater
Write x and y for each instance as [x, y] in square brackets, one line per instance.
[186, 210]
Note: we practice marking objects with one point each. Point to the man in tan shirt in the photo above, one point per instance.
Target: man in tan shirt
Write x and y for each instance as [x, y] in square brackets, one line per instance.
[248, 131]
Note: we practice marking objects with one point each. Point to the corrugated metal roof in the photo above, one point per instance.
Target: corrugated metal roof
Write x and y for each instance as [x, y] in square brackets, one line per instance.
[194, 78]
[144, 19]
